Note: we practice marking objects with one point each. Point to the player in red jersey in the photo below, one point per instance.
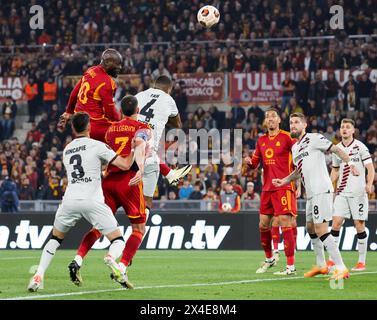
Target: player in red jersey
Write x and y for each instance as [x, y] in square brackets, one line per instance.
[122, 188]
[274, 151]
[94, 94]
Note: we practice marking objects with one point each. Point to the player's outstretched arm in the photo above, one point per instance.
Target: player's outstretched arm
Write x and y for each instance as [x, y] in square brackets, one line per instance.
[345, 158]
[281, 182]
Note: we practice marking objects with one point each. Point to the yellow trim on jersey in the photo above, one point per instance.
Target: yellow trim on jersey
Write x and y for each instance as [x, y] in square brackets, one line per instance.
[96, 95]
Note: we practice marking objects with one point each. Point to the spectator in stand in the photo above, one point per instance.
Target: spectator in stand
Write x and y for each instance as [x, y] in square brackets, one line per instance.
[172, 195]
[34, 134]
[31, 93]
[351, 100]
[365, 88]
[9, 201]
[186, 190]
[64, 92]
[196, 194]
[160, 71]
[332, 87]
[50, 90]
[7, 123]
[238, 113]
[26, 191]
[236, 186]
[288, 87]
[231, 198]
[43, 125]
[250, 193]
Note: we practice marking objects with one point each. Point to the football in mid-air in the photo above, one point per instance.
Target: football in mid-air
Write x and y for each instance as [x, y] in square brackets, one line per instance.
[208, 16]
[226, 206]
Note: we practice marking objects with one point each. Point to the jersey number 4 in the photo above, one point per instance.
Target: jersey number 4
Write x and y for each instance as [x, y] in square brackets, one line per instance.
[147, 111]
[78, 172]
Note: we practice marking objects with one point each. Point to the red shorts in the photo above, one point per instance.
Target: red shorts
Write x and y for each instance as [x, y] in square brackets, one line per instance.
[278, 202]
[98, 129]
[118, 194]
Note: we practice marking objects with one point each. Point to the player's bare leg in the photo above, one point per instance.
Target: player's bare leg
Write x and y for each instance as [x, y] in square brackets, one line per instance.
[265, 236]
[286, 225]
[362, 243]
[275, 234]
[49, 250]
[320, 266]
[341, 272]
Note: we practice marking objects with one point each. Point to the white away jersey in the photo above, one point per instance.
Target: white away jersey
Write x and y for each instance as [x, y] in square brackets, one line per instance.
[349, 185]
[156, 107]
[310, 160]
[83, 158]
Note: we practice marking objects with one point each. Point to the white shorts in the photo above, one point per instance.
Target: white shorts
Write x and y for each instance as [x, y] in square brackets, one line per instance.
[319, 208]
[98, 214]
[150, 178]
[357, 207]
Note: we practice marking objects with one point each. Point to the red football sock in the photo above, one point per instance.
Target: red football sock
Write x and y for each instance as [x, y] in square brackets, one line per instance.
[87, 242]
[295, 235]
[265, 237]
[275, 234]
[289, 243]
[164, 169]
[132, 244]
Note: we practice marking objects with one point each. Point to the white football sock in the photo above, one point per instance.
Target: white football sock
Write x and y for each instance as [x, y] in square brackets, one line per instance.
[78, 259]
[319, 252]
[333, 250]
[48, 253]
[362, 246]
[116, 248]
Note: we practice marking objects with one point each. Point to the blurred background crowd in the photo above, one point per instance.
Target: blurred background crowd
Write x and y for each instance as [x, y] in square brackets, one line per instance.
[32, 169]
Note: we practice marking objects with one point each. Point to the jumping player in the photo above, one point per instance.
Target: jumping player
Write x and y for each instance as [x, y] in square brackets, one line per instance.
[158, 108]
[84, 198]
[352, 192]
[274, 151]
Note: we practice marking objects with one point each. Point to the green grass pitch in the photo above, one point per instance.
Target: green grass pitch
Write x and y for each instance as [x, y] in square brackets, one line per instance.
[181, 275]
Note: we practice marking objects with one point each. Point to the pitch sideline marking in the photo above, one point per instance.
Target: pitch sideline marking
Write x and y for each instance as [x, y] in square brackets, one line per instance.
[166, 286]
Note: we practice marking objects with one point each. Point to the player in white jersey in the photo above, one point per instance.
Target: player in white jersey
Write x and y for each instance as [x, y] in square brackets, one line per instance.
[352, 191]
[157, 109]
[309, 158]
[84, 198]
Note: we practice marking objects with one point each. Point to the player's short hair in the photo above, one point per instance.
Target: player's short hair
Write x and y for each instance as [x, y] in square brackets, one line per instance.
[129, 105]
[298, 115]
[80, 121]
[348, 120]
[272, 108]
[163, 81]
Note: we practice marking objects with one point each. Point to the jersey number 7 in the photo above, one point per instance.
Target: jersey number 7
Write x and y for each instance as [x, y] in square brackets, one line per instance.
[148, 113]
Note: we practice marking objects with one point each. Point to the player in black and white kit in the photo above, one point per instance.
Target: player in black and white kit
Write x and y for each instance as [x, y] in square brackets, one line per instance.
[352, 191]
[309, 159]
[157, 109]
[83, 158]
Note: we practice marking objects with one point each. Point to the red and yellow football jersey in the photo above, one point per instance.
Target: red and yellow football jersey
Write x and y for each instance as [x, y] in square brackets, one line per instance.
[119, 137]
[276, 157]
[94, 94]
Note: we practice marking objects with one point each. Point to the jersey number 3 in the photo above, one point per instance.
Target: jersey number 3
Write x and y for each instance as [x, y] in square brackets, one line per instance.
[148, 113]
[78, 172]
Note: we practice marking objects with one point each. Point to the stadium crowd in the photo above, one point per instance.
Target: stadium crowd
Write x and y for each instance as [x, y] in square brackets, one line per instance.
[32, 169]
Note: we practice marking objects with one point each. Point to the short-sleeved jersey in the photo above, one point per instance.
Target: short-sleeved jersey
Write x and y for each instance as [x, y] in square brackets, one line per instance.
[94, 94]
[310, 160]
[83, 158]
[276, 156]
[156, 107]
[119, 137]
[349, 185]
